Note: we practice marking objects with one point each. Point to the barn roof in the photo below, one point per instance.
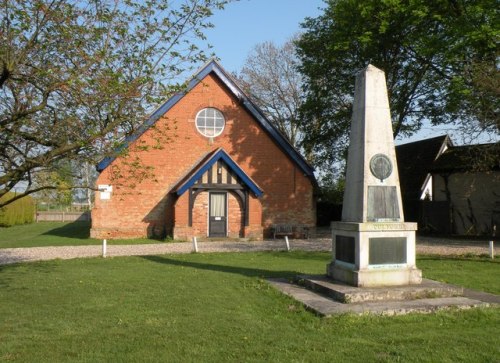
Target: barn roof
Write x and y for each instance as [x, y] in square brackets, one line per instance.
[482, 157]
[215, 68]
[414, 161]
[206, 163]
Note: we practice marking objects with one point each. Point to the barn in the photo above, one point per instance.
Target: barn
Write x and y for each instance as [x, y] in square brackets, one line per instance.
[207, 163]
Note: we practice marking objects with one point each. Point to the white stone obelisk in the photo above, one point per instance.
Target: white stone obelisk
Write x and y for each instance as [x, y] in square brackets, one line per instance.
[372, 245]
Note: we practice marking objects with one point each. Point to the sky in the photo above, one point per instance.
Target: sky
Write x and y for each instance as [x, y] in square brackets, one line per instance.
[245, 23]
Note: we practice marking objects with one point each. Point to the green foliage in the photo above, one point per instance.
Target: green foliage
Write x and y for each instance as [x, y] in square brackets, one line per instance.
[214, 308]
[59, 175]
[22, 211]
[440, 59]
[332, 191]
[76, 77]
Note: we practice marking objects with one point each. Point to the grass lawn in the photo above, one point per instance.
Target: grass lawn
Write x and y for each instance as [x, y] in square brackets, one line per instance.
[218, 308]
[479, 273]
[56, 234]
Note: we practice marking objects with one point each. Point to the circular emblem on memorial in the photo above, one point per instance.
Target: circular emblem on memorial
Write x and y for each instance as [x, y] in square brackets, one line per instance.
[380, 166]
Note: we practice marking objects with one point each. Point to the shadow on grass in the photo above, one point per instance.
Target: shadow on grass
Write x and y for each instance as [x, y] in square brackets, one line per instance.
[473, 258]
[245, 271]
[78, 230]
[307, 255]
[9, 281]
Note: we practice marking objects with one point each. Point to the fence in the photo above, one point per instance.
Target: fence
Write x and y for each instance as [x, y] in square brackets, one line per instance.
[60, 216]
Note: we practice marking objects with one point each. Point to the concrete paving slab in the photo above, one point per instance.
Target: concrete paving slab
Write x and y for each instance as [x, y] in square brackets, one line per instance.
[483, 296]
[325, 306]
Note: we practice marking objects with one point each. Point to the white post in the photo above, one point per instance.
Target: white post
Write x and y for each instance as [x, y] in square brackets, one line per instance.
[492, 245]
[195, 244]
[104, 247]
[287, 243]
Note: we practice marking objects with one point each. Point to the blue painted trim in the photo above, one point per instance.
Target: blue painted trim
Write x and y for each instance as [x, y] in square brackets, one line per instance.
[214, 67]
[220, 155]
[269, 127]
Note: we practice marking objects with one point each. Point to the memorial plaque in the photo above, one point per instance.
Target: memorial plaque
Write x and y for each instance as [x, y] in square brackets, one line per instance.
[344, 248]
[387, 250]
[381, 166]
[382, 203]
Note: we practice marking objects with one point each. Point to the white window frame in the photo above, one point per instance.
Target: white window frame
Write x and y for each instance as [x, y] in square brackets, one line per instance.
[202, 125]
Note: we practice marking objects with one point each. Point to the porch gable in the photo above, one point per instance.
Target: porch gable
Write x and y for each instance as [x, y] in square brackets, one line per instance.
[218, 168]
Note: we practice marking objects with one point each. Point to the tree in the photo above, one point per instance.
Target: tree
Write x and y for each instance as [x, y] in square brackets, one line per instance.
[60, 175]
[270, 77]
[440, 59]
[76, 77]
[89, 176]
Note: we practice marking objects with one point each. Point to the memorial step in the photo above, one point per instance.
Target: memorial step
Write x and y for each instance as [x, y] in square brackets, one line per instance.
[349, 294]
[326, 306]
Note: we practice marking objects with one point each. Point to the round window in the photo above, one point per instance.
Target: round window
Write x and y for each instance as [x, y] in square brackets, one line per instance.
[210, 122]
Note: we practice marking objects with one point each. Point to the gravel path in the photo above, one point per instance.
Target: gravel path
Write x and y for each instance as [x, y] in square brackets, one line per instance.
[13, 255]
[444, 246]
[425, 245]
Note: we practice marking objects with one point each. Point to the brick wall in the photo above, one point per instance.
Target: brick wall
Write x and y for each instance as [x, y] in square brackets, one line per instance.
[200, 215]
[235, 222]
[142, 202]
[235, 214]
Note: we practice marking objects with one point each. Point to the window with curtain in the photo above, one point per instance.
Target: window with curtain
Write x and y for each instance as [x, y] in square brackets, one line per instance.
[217, 205]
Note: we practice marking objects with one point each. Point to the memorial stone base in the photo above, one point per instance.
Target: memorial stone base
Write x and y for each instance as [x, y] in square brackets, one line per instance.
[374, 254]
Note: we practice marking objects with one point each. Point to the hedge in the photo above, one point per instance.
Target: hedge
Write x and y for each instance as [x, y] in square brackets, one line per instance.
[21, 211]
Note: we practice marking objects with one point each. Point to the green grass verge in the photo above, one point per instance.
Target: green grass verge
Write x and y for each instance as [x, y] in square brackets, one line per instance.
[56, 234]
[474, 272]
[218, 308]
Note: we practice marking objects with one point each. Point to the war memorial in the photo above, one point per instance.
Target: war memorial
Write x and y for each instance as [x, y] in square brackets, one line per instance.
[372, 245]
[373, 267]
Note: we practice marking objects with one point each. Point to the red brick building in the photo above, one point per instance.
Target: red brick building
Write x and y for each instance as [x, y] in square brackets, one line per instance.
[212, 165]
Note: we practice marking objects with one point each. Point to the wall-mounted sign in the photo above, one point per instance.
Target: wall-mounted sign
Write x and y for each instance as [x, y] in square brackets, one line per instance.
[105, 191]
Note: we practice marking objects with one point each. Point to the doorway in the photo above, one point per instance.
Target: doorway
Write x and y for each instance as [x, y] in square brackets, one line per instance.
[217, 218]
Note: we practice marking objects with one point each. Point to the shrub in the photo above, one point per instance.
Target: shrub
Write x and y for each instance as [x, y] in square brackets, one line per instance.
[21, 211]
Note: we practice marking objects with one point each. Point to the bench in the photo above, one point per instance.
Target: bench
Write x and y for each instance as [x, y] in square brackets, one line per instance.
[297, 231]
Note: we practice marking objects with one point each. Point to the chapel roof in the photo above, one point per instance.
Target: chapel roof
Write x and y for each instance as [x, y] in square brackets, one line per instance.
[213, 67]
